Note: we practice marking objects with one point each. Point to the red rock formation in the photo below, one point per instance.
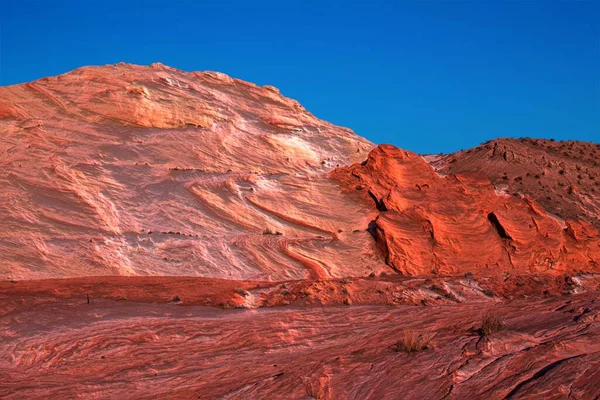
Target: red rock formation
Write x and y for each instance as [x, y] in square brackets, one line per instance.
[564, 177]
[550, 348]
[130, 170]
[139, 204]
[455, 224]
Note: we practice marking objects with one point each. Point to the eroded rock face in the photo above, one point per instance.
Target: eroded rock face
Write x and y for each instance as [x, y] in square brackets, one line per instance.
[564, 177]
[169, 198]
[131, 170]
[455, 224]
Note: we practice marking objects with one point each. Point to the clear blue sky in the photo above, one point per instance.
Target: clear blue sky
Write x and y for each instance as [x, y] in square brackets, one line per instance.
[433, 76]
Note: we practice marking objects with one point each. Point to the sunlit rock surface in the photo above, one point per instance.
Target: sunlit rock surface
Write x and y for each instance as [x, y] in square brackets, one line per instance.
[432, 224]
[564, 177]
[166, 234]
[550, 349]
[130, 170]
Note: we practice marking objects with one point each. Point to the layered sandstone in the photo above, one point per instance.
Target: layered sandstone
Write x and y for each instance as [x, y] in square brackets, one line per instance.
[564, 177]
[190, 235]
[64, 348]
[429, 223]
[131, 170]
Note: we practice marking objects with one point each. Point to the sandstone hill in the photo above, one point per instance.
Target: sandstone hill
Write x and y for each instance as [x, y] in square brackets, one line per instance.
[130, 170]
[167, 234]
[564, 177]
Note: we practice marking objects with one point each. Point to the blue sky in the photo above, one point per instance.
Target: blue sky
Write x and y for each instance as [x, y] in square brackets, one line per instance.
[427, 76]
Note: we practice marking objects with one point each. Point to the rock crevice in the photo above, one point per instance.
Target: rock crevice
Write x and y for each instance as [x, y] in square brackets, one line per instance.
[475, 228]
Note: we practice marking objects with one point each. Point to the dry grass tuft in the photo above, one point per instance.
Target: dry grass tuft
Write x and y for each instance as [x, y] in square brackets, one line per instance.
[413, 342]
[491, 323]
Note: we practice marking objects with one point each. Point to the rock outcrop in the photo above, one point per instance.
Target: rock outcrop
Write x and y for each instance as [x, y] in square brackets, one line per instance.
[433, 224]
[550, 348]
[139, 205]
[131, 170]
[564, 177]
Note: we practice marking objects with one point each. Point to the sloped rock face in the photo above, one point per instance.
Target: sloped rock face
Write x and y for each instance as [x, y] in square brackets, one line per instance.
[130, 170]
[168, 198]
[456, 224]
[564, 177]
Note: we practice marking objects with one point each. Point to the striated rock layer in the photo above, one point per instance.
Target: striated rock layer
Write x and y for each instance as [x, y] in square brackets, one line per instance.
[564, 177]
[550, 349]
[130, 170]
[140, 205]
[455, 224]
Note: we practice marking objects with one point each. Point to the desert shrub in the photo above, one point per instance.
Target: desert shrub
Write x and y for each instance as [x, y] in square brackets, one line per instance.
[491, 323]
[413, 342]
